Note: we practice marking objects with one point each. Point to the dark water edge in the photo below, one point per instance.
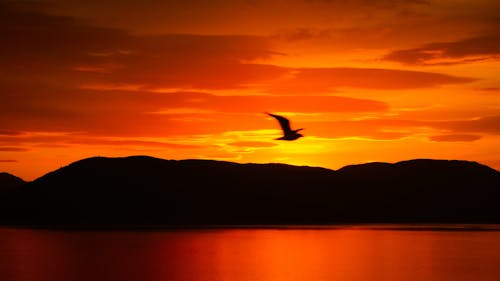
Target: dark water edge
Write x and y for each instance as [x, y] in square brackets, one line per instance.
[355, 226]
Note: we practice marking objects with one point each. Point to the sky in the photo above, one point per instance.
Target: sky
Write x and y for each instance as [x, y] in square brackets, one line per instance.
[369, 80]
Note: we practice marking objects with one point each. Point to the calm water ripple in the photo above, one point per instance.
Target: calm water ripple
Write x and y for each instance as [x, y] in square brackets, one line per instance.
[358, 253]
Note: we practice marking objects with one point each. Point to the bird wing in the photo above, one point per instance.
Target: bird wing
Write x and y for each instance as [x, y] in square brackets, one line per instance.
[284, 123]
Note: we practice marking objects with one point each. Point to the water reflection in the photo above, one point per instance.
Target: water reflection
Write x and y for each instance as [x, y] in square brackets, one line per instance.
[250, 254]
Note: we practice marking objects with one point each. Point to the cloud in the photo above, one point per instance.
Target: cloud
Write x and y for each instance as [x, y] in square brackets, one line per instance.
[12, 149]
[488, 90]
[59, 41]
[303, 33]
[44, 107]
[472, 49]
[128, 143]
[244, 16]
[255, 104]
[77, 52]
[196, 62]
[100, 81]
[253, 144]
[380, 129]
[325, 79]
[395, 128]
[488, 124]
[9, 132]
[8, 161]
[454, 138]
[31, 141]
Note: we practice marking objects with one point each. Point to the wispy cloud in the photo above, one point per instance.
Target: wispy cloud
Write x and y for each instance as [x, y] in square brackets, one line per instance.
[8, 161]
[252, 144]
[454, 138]
[472, 49]
[397, 128]
[327, 79]
[12, 149]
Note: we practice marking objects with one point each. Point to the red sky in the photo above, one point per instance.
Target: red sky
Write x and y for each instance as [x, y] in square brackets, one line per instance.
[381, 80]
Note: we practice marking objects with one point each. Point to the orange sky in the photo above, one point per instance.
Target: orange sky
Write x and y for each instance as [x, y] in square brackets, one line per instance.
[382, 80]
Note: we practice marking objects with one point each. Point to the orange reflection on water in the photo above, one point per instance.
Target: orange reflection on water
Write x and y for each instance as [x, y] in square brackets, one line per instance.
[250, 254]
[337, 254]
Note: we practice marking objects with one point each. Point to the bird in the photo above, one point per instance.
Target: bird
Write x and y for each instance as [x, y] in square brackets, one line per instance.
[288, 133]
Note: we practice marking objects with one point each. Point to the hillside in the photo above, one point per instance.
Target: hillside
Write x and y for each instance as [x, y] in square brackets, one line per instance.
[8, 182]
[142, 190]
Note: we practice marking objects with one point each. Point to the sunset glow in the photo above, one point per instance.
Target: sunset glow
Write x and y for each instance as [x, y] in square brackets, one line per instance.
[384, 80]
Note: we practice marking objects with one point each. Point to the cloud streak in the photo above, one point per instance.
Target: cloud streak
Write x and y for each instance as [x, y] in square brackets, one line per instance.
[116, 112]
[252, 144]
[8, 161]
[472, 49]
[12, 149]
[454, 138]
[395, 128]
[328, 79]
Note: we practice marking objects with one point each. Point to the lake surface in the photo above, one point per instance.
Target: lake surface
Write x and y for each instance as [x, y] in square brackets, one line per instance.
[346, 254]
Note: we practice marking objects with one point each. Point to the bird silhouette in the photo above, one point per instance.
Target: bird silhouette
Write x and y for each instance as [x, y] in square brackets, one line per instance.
[288, 133]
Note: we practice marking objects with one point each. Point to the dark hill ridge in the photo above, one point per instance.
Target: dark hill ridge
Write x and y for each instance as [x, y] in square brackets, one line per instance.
[141, 190]
[8, 181]
[438, 170]
[9, 186]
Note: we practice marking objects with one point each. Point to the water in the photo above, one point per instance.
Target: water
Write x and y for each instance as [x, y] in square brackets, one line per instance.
[345, 254]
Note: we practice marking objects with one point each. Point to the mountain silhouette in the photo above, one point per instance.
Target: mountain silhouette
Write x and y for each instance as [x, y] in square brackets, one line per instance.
[146, 191]
[9, 182]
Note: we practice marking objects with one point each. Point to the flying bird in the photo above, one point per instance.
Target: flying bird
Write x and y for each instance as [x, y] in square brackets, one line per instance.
[288, 133]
